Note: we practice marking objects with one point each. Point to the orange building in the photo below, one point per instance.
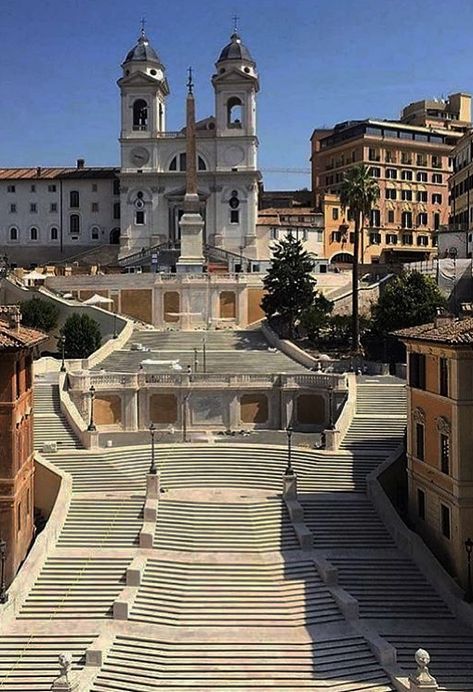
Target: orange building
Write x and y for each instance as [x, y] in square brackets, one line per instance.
[440, 436]
[410, 159]
[16, 436]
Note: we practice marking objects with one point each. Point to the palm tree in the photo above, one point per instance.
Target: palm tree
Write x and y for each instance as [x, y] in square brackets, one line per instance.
[359, 193]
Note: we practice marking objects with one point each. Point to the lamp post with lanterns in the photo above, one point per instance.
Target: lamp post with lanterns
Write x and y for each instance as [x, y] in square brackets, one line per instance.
[62, 344]
[91, 427]
[3, 558]
[153, 469]
[289, 470]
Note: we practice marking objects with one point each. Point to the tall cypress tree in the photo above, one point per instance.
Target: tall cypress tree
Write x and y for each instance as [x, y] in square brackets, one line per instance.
[289, 283]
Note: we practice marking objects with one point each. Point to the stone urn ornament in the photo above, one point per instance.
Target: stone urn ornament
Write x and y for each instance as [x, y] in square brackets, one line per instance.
[422, 679]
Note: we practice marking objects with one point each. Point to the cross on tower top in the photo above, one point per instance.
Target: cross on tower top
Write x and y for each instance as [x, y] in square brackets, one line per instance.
[190, 82]
[236, 19]
[143, 23]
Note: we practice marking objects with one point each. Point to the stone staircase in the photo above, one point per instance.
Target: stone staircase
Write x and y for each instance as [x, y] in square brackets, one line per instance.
[50, 424]
[75, 587]
[344, 664]
[224, 526]
[234, 595]
[29, 663]
[102, 523]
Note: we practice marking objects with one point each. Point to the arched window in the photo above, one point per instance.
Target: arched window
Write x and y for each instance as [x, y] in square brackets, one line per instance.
[234, 112]
[74, 224]
[95, 233]
[54, 233]
[33, 233]
[140, 115]
[13, 234]
[179, 163]
[74, 199]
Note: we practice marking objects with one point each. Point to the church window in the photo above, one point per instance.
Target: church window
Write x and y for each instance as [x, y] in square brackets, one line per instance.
[34, 233]
[201, 164]
[11, 188]
[74, 223]
[13, 233]
[173, 164]
[12, 208]
[234, 112]
[139, 218]
[116, 210]
[182, 162]
[140, 115]
[234, 216]
[95, 233]
[54, 233]
[161, 113]
[51, 188]
[95, 206]
[33, 208]
[53, 207]
[179, 163]
[33, 188]
[116, 187]
[74, 199]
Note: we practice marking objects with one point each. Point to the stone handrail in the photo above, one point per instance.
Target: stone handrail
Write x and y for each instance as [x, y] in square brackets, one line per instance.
[75, 420]
[334, 438]
[110, 345]
[108, 380]
[411, 544]
[287, 347]
[43, 544]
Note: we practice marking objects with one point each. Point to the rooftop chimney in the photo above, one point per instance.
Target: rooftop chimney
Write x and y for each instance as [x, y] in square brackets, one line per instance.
[38, 171]
[443, 317]
[80, 163]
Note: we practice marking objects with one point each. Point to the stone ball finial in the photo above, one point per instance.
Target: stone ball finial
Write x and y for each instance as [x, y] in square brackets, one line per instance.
[65, 664]
[422, 679]
[422, 658]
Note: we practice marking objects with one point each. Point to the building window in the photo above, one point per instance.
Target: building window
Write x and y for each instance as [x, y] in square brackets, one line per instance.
[421, 177]
[391, 239]
[436, 221]
[179, 163]
[445, 453]
[390, 156]
[375, 172]
[11, 188]
[54, 234]
[74, 224]
[18, 517]
[422, 219]
[406, 195]
[420, 503]
[422, 196]
[436, 161]
[53, 207]
[274, 234]
[407, 238]
[391, 173]
[436, 198]
[420, 441]
[437, 178]
[95, 206]
[12, 208]
[116, 210]
[374, 155]
[406, 175]
[443, 377]
[375, 238]
[51, 188]
[95, 233]
[234, 216]
[94, 187]
[406, 219]
[405, 157]
[116, 187]
[74, 199]
[139, 218]
[13, 234]
[445, 521]
[33, 233]
[336, 237]
[33, 188]
[390, 216]
[234, 112]
[352, 237]
[422, 240]
[335, 213]
[140, 115]
[33, 208]
[391, 193]
[421, 160]
[375, 218]
[417, 370]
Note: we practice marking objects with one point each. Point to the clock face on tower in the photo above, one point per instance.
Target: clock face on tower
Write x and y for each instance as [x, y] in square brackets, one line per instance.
[139, 156]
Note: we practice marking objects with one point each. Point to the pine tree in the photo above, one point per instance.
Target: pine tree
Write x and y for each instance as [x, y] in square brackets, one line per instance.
[289, 283]
[82, 335]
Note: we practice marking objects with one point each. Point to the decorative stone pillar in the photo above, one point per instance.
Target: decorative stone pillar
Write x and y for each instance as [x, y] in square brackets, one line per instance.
[290, 486]
[233, 420]
[422, 680]
[131, 409]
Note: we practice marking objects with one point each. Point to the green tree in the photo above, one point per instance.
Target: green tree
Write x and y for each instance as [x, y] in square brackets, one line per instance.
[82, 336]
[39, 314]
[315, 318]
[289, 283]
[410, 299]
[359, 193]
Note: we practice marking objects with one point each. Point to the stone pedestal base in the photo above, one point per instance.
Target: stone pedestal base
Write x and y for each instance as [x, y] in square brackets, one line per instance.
[290, 486]
[63, 685]
[152, 486]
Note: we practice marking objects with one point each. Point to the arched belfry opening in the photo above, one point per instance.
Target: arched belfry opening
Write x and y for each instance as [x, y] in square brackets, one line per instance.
[234, 112]
[140, 115]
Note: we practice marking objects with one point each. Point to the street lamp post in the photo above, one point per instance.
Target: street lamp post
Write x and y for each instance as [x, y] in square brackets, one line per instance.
[184, 417]
[3, 586]
[330, 408]
[115, 335]
[153, 469]
[289, 470]
[91, 427]
[204, 353]
[196, 360]
[469, 588]
[62, 344]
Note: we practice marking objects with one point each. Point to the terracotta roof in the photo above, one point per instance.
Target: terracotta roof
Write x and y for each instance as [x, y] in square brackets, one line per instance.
[290, 211]
[453, 331]
[40, 173]
[12, 334]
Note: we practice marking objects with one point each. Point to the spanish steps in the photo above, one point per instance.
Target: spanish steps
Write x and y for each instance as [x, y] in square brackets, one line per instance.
[223, 595]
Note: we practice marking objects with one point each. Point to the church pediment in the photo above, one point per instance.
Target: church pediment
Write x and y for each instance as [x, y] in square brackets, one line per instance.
[139, 79]
[233, 75]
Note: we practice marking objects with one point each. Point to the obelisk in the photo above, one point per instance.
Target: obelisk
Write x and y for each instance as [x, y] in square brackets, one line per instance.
[191, 224]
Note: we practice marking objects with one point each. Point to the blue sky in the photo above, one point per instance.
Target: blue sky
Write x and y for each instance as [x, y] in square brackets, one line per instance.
[320, 62]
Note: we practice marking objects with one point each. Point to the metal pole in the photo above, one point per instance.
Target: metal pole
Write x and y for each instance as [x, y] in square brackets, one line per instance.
[153, 468]
[184, 418]
[115, 335]
[3, 586]
[91, 427]
[289, 470]
[469, 587]
[196, 360]
[330, 408]
[62, 341]
[204, 353]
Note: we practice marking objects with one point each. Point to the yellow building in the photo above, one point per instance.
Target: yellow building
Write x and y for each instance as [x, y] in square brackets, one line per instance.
[440, 436]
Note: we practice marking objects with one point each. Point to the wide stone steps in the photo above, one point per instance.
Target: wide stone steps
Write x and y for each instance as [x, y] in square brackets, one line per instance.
[76, 587]
[379, 435]
[451, 656]
[345, 664]
[344, 521]
[46, 398]
[236, 595]
[30, 663]
[107, 523]
[228, 527]
[204, 466]
[390, 588]
[381, 399]
[228, 339]
[50, 424]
